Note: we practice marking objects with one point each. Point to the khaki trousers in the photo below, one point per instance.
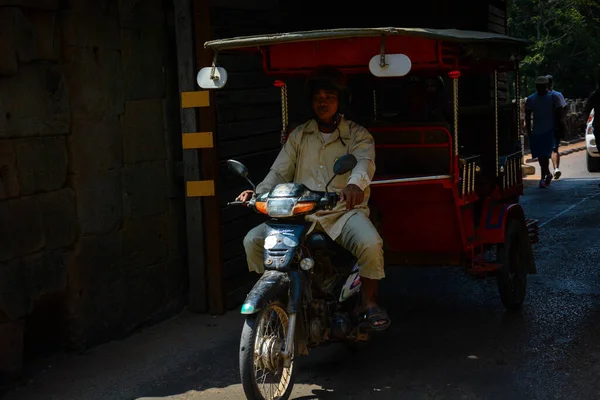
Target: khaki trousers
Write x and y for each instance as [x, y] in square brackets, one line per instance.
[358, 236]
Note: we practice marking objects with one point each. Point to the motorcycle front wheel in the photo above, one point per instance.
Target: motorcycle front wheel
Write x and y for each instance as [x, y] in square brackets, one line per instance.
[263, 374]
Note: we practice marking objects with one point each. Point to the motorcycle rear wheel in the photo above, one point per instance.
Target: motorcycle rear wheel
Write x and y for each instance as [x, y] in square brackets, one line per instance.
[261, 367]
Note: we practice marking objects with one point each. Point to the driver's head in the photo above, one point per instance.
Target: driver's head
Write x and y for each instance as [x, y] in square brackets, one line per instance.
[541, 85]
[324, 86]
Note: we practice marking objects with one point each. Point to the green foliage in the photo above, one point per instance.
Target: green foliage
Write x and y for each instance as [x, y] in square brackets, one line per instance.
[565, 36]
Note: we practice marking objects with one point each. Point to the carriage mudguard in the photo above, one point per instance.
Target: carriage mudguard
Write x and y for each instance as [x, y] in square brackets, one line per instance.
[492, 226]
[268, 287]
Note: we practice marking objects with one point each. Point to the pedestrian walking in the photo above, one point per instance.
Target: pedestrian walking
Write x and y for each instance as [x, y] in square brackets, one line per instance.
[560, 128]
[546, 110]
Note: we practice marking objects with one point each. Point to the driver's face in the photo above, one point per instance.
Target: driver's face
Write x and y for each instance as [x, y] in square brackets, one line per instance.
[325, 104]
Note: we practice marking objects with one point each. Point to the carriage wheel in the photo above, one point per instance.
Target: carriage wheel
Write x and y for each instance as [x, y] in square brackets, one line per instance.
[512, 276]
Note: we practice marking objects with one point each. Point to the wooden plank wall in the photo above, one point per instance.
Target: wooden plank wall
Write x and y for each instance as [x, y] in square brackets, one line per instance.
[497, 23]
[248, 130]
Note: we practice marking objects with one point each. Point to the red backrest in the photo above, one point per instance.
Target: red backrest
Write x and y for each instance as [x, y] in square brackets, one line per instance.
[412, 150]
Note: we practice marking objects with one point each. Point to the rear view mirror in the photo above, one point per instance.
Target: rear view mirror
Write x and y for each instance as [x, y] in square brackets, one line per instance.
[239, 169]
[209, 78]
[344, 164]
[395, 65]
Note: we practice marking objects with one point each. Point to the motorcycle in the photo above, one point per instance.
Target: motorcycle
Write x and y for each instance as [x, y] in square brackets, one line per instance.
[307, 293]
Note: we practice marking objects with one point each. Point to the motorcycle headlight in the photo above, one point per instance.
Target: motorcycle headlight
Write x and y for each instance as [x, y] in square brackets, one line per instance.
[280, 207]
[592, 142]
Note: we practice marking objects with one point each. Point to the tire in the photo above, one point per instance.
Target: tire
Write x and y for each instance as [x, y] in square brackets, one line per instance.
[512, 276]
[254, 329]
[593, 163]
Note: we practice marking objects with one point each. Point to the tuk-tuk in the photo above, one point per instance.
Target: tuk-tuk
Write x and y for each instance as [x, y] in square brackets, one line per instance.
[448, 160]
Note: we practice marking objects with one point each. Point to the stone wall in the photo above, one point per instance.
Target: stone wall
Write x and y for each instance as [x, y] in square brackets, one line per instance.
[91, 213]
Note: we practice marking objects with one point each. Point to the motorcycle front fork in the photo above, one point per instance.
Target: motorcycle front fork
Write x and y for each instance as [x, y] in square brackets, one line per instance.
[288, 347]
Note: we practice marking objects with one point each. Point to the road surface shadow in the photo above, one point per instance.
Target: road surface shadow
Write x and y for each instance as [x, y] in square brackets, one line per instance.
[450, 335]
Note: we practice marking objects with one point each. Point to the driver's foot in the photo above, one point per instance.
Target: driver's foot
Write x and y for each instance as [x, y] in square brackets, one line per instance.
[375, 316]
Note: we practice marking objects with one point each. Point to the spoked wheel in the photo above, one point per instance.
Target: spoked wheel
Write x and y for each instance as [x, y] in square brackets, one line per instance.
[512, 277]
[263, 374]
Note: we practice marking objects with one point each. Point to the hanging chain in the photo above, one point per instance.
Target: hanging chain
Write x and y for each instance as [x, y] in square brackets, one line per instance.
[374, 105]
[496, 114]
[518, 100]
[284, 113]
[455, 116]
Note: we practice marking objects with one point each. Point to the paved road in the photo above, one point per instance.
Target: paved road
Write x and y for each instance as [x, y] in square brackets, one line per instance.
[450, 339]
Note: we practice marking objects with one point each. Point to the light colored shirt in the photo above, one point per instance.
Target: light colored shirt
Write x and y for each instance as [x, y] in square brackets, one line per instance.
[561, 98]
[308, 158]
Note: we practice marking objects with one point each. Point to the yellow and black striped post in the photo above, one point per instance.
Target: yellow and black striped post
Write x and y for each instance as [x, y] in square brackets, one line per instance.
[196, 141]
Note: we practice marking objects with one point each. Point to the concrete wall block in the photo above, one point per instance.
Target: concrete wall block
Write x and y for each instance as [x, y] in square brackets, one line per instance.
[44, 273]
[21, 227]
[95, 82]
[145, 189]
[95, 145]
[14, 302]
[143, 131]
[96, 261]
[176, 227]
[35, 4]
[138, 14]
[144, 62]
[9, 174]
[44, 41]
[60, 218]
[34, 102]
[11, 348]
[9, 65]
[145, 241]
[145, 293]
[24, 38]
[24, 280]
[176, 278]
[42, 163]
[106, 7]
[84, 27]
[99, 201]
[100, 318]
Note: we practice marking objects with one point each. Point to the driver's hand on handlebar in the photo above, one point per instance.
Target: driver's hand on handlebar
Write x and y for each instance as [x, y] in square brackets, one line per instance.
[245, 196]
[353, 195]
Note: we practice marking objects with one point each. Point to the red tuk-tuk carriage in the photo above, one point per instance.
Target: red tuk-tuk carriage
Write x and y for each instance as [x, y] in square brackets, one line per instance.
[447, 183]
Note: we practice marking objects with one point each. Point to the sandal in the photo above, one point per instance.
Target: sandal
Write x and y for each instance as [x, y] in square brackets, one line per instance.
[376, 314]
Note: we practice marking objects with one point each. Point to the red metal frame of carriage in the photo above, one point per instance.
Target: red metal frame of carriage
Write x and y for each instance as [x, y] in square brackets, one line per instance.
[465, 207]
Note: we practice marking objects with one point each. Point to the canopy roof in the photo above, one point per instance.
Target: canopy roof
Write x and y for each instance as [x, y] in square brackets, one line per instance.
[450, 35]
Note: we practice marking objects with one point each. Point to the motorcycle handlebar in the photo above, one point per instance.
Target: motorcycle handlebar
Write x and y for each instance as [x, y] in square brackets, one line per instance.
[332, 198]
[237, 203]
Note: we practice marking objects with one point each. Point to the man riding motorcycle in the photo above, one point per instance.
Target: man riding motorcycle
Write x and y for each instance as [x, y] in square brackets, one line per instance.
[307, 157]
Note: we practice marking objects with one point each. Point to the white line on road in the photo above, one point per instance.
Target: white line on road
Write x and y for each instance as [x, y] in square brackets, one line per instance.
[568, 209]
